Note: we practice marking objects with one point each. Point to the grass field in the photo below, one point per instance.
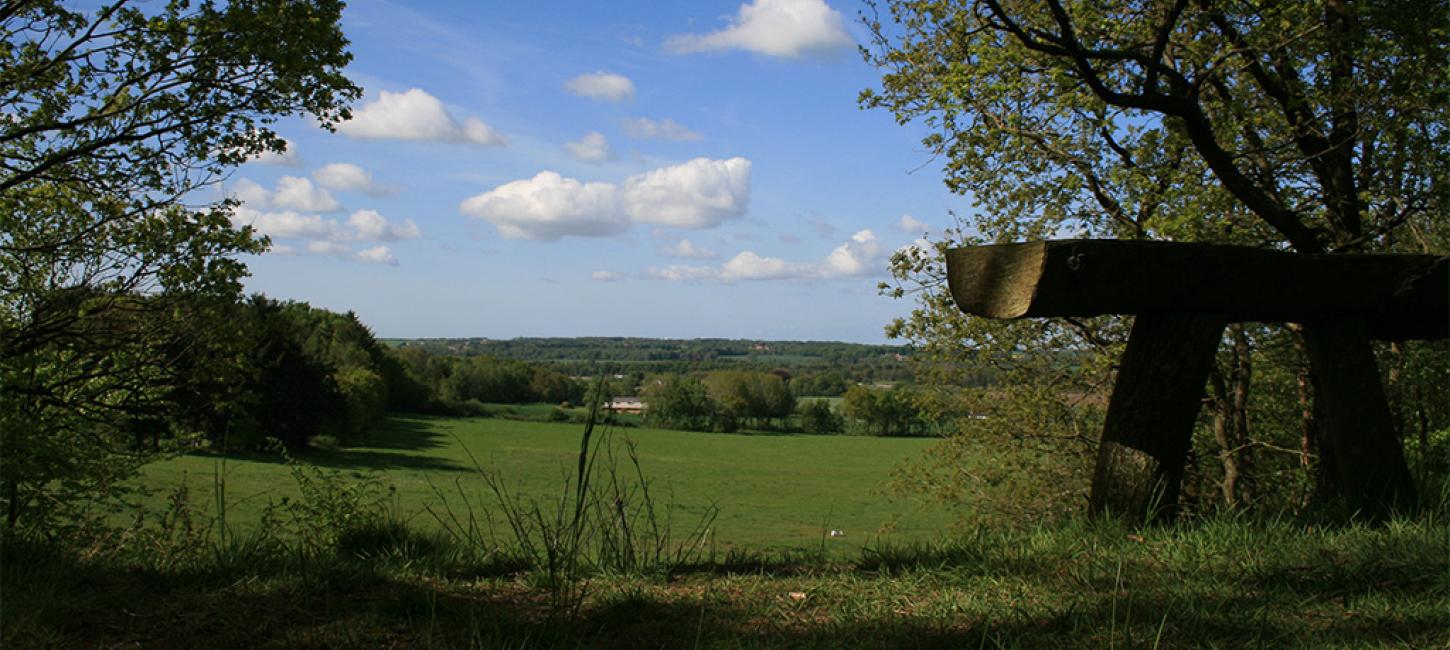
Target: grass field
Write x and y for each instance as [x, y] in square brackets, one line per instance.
[1229, 581]
[774, 492]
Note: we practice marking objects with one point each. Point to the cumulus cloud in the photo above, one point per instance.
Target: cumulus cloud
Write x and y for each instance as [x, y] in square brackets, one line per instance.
[297, 193]
[347, 177]
[602, 86]
[287, 158]
[415, 115]
[700, 193]
[911, 225]
[592, 148]
[861, 255]
[291, 193]
[784, 28]
[328, 248]
[684, 273]
[328, 236]
[368, 225]
[549, 206]
[920, 247]
[604, 276]
[286, 224]
[644, 128]
[376, 255]
[687, 250]
[250, 193]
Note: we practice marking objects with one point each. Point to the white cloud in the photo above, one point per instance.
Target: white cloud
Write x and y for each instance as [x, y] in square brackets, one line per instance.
[297, 193]
[644, 128]
[604, 276]
[250, 193]
[368, 225]
[288, 157]
[549, 206]
[860, 256]
[363, 225]
[687, 250]
[684, 273]
[700, 193]
[602, 86]
[376, 255]
[920, 247]
[911, 225]
[415, 115]
[750, 266]
[328, 248]
[593, 148]
[345, 177]
[287, 224]
[786, 28]
[292, 193]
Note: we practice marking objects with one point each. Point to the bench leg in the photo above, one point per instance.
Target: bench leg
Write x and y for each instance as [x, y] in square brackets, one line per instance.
[1372, 469]
[1156, 399]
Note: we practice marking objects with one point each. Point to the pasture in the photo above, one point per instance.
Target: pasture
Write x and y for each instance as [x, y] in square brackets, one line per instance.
[774, 492]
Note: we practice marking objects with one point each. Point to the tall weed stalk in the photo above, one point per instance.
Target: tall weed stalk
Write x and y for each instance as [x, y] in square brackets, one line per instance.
[605, 518]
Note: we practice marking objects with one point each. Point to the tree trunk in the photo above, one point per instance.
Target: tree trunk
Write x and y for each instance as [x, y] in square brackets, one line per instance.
[1316, 453]
[12, 490]
[1156, 399]
[1394, 389]
[1231, 419]
[1243, 374]
[1227, 457]
[1372, 469]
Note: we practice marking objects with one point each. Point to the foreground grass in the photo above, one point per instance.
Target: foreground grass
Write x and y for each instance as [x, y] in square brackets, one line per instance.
[1221, 583]
[774, 492]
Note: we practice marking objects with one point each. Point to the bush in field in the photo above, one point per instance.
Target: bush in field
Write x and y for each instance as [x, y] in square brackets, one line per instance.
[365, 394]
[884, 412]
[678, 402]
[742, 396]
[818, 417]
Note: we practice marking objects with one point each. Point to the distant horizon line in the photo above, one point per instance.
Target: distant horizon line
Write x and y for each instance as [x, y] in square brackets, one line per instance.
[618, 336]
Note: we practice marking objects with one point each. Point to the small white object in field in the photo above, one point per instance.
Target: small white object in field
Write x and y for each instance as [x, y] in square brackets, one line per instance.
[838, 533]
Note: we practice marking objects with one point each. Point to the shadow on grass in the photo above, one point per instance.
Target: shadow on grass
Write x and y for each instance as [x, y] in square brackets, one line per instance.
[401, 441]
[388, 447]
[57, 601]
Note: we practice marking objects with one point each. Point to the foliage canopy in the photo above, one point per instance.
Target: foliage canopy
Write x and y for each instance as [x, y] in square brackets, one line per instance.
[112, 119]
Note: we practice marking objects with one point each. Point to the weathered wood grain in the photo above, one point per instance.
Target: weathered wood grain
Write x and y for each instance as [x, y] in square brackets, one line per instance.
[1398, 296]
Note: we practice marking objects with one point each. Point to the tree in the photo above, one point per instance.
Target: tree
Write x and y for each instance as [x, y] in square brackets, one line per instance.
[679, 402]
[883, 412]
[1320, 127]
[818, 417]
[112, 118]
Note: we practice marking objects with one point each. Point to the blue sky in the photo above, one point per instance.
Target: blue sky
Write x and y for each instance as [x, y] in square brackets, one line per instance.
[674, 170]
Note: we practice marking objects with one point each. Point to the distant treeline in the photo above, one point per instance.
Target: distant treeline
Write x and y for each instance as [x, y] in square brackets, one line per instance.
[303, 375]
[728, 400]
[823, 368]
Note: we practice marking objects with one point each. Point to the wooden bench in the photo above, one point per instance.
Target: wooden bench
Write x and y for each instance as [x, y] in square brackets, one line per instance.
[1182, 296]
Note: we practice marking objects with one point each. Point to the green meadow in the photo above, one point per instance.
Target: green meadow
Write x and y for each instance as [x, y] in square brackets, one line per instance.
[774, 492]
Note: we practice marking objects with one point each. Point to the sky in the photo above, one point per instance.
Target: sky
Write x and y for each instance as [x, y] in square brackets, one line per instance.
[673, 170]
